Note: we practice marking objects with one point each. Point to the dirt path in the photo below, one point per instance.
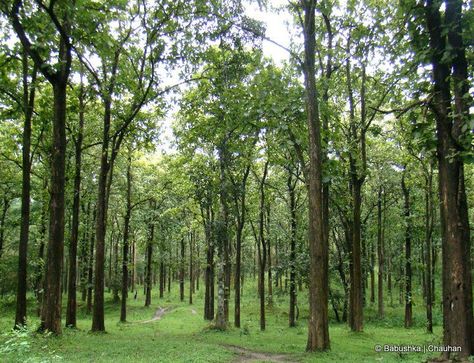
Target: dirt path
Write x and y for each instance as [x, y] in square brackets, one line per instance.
[246, 355]
[158, 314]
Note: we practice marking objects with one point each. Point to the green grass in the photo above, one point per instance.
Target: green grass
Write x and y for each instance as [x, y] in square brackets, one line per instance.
[183, 336]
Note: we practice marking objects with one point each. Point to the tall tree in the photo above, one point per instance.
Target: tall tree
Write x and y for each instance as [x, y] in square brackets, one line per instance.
[59, 15]
[318, 322]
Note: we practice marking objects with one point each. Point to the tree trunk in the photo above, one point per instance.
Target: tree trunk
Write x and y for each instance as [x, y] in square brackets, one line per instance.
[269, 258]
[28, 103]
[222, 242]
[72, 287]
[149, 259]
[181, 272]
[126, 230]
[318, 330]
[191, 275]
[291, 190]
[408, 274]
[458, 321]
[428, 247]
[380, 255]
[262, 247]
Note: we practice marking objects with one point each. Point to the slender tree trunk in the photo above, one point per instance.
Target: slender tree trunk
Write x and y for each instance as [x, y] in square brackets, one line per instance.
[269, 258]
[318, 327]
[72, 286]
[380, 255]
[181, 271]
[126, 231]
[191, 275]
[428, 247]
[5, 207]
[149, 259]
[90, 262]
[222, 242]
[28, 103]
[262, 247]
[291, 190]
[408, 274]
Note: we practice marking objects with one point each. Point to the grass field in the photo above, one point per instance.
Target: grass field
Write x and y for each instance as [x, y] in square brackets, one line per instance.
[181, 335]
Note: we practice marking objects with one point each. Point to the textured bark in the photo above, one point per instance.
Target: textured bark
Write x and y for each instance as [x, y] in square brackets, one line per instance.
[318, 330]
[458, 321]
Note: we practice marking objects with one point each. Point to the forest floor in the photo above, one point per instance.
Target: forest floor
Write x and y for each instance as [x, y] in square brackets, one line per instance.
[173, 331]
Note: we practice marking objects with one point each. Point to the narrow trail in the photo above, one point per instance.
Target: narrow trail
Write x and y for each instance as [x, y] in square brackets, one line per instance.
[247, 355]
[158, 314]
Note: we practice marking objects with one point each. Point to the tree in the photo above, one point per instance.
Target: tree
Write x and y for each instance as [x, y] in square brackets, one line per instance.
[57, 76]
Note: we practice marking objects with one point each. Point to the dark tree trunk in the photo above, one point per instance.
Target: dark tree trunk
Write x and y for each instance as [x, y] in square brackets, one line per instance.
[408, 274]
[262, 247]
[90, 263]
[458, 321]
[5, 207]
[126, 231]
[291, 190]
[181, 271]
[318, 328]
[28, 103]
[71, 296]
[269, 258]
[101, 220]
[162, 279]
[51, 312]
[149, 259]
[240, 207]
[428, 247]
[380, 254]
[191, 275]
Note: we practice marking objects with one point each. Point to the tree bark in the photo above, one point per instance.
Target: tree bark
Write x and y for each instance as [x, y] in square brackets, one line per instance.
[126, 231]
[293, 295]
[318, 328]
[408, 274]
[458, 321]
[28, 103]
[181, 271]
[149, 259]
[380, 255]
[72, 287]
